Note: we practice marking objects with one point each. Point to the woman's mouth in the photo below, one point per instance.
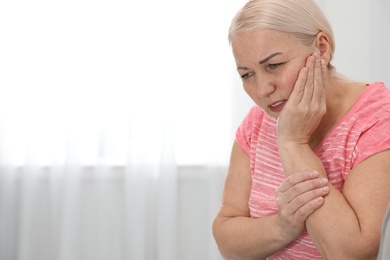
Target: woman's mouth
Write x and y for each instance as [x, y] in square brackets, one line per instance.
[277, 106]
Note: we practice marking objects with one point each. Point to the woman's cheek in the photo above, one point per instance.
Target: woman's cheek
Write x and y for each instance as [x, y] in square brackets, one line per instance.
[291, 79]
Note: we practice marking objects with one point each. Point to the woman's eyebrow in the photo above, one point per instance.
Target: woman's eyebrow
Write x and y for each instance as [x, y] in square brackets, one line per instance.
[242, 68]
[262, 61]
[269, 57]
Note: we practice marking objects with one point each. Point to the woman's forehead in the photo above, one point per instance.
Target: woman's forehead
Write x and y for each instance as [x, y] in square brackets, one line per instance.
[262, 40]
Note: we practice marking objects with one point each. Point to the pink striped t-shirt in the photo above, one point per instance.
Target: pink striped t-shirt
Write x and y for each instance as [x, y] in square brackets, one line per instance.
[362, 132]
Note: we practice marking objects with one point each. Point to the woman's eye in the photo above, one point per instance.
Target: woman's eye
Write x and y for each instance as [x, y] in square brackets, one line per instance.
[274, 66]
[246, 75]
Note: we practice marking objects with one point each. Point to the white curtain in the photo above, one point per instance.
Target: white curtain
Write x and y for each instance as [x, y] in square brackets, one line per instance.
[116, 123]
[101, 104]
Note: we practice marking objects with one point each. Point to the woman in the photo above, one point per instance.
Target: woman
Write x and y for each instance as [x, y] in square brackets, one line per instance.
[310, 167]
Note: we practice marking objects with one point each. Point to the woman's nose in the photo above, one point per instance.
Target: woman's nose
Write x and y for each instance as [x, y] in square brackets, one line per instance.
[264, 87]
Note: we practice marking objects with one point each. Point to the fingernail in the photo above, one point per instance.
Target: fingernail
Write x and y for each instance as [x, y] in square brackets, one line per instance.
[314, 174]
[324, 181]
[325, 189]
[317, 55]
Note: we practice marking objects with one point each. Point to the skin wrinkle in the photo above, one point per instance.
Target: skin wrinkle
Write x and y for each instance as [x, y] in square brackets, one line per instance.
[269, 57]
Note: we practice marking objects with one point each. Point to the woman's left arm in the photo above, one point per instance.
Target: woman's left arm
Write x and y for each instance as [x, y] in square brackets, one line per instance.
[348, 224]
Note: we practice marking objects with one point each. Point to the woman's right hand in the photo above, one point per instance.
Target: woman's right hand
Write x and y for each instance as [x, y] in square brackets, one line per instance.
[298, 196]
[306, 105]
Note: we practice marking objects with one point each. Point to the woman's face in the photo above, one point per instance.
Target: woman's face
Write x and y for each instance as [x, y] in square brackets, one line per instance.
[268, 62]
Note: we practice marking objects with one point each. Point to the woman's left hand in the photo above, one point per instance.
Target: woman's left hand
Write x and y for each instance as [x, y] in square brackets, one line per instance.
[306, 105]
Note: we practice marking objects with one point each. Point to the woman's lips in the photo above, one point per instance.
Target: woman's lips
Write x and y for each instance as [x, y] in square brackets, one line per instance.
[277, 106]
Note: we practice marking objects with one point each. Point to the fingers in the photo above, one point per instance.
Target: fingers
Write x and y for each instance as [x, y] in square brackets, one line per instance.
[299, 87]
[314, 89]
[309, 86]
[308, 208]
[324, 80]
[306, 192]
[297, 198]
[311, 64]
[301, 194]
[294, 179]
[318, 84]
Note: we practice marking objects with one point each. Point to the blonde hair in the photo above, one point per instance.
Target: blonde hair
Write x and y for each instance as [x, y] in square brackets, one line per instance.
[302, 18]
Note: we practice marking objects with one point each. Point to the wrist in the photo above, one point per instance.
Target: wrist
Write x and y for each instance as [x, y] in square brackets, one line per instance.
[292, 145]
[295, 157]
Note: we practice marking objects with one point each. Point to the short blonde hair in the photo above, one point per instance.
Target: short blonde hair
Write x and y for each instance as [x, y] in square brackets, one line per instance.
[302, 18]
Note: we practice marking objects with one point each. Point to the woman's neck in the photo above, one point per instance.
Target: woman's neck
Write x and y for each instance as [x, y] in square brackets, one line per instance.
[341, 95]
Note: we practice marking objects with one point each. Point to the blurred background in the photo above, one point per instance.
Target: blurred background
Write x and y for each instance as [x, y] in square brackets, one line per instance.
[117, 119]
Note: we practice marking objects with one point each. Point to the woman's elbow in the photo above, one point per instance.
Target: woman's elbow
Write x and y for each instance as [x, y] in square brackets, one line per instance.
[364, 250]
[219, 236]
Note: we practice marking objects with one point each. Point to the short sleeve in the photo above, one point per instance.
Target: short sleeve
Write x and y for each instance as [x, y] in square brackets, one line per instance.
[373, 140]
[244, 132]
[375, 127]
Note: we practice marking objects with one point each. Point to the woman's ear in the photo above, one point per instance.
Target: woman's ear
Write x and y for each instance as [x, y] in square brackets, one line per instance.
[322, 44]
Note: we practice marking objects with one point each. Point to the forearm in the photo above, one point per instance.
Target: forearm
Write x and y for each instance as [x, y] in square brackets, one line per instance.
[298, 158]
[335, 230]
[334, 227]
[247, 238]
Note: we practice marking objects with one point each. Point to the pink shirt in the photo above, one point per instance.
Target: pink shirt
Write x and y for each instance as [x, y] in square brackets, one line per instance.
[362, 132]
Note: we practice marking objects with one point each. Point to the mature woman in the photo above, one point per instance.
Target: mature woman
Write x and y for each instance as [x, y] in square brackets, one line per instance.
[309, 174]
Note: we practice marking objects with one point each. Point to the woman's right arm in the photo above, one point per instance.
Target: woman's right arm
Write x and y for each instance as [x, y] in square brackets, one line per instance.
[239, 236]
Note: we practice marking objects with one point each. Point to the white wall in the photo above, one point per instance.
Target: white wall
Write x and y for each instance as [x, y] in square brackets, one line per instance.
[380, 41]
[362, 37]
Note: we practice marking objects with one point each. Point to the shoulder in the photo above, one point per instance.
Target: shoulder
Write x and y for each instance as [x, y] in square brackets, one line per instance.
[372, 114]
[254, 116]
[249, 128]
[371, 109]
[374, 103]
